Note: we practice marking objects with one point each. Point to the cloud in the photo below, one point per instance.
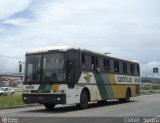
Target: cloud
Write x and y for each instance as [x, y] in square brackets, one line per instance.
[17, 21]
[114, 24]
[10, 7]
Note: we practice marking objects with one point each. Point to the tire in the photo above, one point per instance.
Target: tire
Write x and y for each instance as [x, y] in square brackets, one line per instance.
[84, 98]
[127, 98]
[49, 106]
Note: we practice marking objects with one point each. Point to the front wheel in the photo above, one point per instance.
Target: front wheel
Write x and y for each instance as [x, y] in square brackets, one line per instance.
[84, 98]
[49, 106]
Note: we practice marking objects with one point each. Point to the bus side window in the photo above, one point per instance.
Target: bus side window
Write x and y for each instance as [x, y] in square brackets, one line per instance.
[137, 72]
[93, 62]
[97, 66]
[116, 66]
[86, 62]
[124, 67]
[106, 64]
[132, 69]
[83, 62]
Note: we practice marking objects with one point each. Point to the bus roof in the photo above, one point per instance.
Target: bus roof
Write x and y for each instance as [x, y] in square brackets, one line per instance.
[66, 48]
[51, 48]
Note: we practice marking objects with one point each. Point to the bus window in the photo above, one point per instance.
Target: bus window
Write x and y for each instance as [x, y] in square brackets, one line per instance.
[96, 61]
[106, 64]
[132, 69]
[83, 61]
[116, 66]
[93, 62]
[124, 67]
[88, 65]
[137, 70]
[97, 67]
[83, 58]
[100, 61]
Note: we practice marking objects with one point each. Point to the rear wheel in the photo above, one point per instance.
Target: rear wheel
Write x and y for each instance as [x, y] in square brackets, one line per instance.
[127, 98]
[49, 106]
[84, 98]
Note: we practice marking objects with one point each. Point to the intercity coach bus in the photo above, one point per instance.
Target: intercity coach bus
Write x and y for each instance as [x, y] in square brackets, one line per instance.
[68, 75]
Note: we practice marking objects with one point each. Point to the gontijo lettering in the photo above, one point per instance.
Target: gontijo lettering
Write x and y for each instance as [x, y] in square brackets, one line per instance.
[124, 79]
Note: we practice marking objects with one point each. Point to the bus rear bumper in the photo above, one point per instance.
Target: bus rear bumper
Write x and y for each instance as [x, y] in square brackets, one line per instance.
[44, 98]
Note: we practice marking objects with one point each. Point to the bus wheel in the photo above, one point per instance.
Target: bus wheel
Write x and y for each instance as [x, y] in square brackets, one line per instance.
[84, 98]
[127, 98]
[49, 106]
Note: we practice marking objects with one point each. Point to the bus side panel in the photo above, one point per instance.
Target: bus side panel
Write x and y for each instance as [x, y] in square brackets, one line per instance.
[101, 86]
[119, 90]
[87, 80]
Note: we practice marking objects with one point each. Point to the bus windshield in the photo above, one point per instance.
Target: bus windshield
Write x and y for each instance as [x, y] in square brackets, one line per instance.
[46, 67]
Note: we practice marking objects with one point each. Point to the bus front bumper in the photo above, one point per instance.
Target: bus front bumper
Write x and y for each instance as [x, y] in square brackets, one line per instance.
[44, 98]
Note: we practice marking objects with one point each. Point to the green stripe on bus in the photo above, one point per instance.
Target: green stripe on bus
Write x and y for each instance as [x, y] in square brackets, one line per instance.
[108, 87]
[100, 84]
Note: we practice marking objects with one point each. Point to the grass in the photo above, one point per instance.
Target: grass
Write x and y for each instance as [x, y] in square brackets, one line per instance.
[9, 101]
[13, 101]
[148, 92]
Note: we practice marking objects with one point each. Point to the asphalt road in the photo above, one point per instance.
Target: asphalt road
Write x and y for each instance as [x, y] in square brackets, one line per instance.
[113, 111]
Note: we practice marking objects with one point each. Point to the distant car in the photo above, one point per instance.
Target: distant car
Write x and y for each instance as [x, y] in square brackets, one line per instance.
[6, 91]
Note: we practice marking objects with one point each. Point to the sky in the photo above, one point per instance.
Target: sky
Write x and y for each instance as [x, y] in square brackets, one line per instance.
[126, 28]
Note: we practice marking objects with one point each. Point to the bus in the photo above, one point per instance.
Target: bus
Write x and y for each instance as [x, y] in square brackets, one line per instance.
[68, 75]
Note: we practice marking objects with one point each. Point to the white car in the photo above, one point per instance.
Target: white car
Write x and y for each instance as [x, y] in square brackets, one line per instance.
[6, 91]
